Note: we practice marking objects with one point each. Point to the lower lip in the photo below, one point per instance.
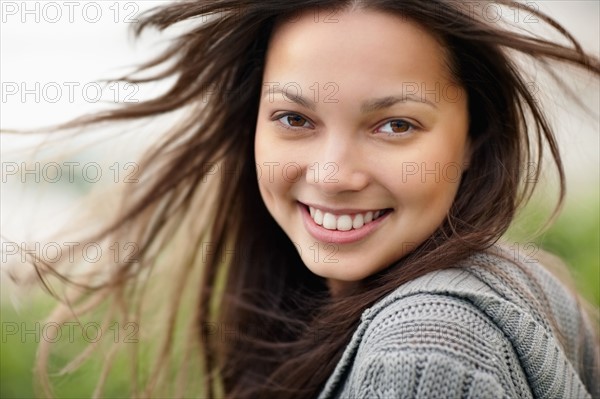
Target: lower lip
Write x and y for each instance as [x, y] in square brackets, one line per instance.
[336, 236]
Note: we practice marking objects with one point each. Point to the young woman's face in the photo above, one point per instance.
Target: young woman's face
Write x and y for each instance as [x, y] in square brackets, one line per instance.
[361, 139]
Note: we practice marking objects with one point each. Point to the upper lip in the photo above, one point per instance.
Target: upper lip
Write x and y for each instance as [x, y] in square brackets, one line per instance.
[340, 211]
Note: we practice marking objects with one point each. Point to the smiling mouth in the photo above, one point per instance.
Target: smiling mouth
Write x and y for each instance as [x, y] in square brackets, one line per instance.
[344, 221]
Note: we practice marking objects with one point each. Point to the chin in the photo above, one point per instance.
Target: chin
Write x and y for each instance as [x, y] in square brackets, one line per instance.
[340, 270]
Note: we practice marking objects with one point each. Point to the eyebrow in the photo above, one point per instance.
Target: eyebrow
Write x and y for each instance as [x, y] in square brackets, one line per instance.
[386, 102]
[371, 105]
[298, 99]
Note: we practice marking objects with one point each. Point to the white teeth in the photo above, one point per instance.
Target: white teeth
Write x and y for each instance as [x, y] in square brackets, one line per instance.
[318, 217]
[358, 221]
[342, 222]
[329, 221]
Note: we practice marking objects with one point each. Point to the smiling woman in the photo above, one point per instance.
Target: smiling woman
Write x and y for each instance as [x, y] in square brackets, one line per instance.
[377, 151]
[369, 133]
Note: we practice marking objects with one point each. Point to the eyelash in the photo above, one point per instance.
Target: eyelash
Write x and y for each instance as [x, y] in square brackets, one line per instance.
[412, 127]
[278, 118]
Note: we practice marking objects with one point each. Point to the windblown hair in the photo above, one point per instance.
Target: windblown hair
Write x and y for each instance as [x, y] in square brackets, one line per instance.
[289, 331]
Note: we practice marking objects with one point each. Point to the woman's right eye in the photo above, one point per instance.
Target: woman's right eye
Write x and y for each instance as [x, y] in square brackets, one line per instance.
[293, 121]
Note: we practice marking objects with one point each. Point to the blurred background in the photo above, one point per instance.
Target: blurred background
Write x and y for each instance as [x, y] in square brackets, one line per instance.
[52, 58]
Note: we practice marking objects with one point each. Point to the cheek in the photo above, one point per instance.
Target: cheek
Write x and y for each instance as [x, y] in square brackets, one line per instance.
[430, 180]
[426, 199]
[261, 151]
[271, 170]
[261, 144]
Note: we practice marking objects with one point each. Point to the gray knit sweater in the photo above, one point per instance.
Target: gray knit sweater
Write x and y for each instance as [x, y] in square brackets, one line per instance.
[465, 332]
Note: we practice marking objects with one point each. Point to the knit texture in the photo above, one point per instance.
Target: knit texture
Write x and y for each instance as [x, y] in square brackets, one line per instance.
[464, 332]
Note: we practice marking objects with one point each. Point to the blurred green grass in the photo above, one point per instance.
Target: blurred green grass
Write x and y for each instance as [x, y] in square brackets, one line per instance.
[574, 237]
[21, 334]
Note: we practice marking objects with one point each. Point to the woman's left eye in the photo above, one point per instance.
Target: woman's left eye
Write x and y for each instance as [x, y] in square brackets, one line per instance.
[397, 127]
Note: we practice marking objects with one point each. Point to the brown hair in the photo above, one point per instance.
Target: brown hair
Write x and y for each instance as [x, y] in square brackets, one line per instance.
[289, 332]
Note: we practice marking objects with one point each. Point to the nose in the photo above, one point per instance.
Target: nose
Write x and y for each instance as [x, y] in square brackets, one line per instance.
[338, 166]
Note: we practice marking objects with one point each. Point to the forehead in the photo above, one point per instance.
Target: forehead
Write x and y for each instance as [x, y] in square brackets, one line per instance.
[360, 46]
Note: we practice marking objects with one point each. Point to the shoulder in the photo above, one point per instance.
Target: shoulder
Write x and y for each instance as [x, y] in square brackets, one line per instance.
[435, 344]
[456, 333]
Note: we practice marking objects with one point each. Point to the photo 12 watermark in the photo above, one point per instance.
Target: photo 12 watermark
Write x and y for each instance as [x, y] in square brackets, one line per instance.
[69, 172]
[70, 331]
[53, 12]
[51, 252]
[69, 92]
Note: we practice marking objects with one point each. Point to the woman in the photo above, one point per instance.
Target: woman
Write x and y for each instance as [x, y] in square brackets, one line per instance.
[340, 183]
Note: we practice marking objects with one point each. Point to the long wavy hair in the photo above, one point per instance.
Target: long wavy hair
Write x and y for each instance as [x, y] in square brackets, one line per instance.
[284, 332]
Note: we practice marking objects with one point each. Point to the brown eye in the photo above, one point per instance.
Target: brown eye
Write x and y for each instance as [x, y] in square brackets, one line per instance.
[295, 120]
[399, 126]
